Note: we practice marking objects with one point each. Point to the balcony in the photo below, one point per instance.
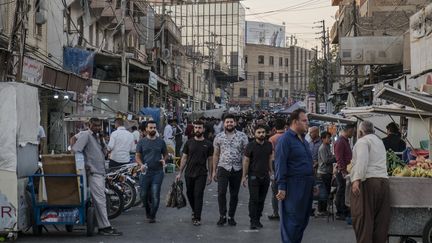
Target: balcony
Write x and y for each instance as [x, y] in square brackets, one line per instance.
[170, 26]
[137, 53]
[334, 33]
[99, 4]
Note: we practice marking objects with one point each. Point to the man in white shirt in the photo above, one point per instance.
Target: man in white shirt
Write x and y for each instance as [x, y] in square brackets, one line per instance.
[136, 134]
[370, 192]
[41, 137]
[121, 144]
[169, 134]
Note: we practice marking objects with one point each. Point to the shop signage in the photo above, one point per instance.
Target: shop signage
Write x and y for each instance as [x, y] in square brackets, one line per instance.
[32, 71]
[153, 80]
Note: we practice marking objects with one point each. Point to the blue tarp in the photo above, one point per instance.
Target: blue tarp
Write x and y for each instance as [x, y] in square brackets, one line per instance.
[153, 112]
[78, 61]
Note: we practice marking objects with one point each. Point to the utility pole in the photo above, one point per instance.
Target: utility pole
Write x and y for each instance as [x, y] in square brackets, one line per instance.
[123, 41]
[316, 81]
[355, 87]
[212, 48]
[193, 75]
[16, 43]
[253, 97]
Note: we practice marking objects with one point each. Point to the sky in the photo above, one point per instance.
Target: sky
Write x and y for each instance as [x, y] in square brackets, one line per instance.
[299, 17]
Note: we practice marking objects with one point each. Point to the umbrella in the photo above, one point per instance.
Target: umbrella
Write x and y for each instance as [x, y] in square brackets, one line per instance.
[294, 107]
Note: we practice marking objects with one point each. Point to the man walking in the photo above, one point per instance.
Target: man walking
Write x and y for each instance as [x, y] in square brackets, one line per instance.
[257, 168]
[91, 144]
[295, 179]
[168, 134]
[121, 144]
[314, 145]
[229, 147]
[196, 158]
[370, 192]
[280, 130]
[325, 169]
[343, 155]
[151, 153]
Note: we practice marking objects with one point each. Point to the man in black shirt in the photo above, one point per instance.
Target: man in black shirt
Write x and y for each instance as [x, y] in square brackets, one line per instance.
[196, 152]
[257, 168]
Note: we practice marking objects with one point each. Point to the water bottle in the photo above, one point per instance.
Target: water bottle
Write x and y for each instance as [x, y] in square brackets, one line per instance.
[144, 171]
[79, 161]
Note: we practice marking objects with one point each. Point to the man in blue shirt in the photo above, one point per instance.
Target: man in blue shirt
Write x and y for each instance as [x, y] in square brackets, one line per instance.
[294, 177]
[151, 154]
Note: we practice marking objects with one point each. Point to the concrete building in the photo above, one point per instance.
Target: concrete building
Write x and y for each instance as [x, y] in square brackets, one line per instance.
[214, 29]
[277, 75]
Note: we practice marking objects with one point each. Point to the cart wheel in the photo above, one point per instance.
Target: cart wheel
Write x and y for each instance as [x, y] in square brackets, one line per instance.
[69, 228]
[91, 215]
[427, 232]
[37, 229]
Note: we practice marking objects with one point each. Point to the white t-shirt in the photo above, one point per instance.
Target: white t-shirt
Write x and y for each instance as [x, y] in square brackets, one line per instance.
[41, 134]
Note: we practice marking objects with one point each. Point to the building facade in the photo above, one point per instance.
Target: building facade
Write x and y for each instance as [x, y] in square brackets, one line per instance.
[278, 75]
[215, 30]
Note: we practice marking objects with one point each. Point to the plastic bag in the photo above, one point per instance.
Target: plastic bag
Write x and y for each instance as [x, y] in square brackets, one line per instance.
[171, 196]
[180, 198]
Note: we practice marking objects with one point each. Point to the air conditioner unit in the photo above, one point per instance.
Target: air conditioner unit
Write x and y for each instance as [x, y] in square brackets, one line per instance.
[40, 18]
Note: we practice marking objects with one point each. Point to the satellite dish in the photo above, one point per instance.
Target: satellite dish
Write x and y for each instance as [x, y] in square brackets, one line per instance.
[166, 54]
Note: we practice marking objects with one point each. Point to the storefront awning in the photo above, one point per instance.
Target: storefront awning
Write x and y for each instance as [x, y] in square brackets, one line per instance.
[391, 110]
[330, 118]
[417, 101]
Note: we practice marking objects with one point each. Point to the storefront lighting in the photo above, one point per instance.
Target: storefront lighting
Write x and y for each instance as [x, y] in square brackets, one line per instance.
[66, 97]
[105, 99]
[56, 96]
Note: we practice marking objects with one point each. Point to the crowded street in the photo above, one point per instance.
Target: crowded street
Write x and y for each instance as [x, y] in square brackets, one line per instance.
[174, 225]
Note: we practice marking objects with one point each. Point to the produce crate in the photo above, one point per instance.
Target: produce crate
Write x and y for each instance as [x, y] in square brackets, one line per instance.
[410, 192]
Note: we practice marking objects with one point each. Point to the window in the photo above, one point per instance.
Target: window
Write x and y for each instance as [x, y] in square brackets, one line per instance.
[286, 62]
[271, 76]
[118, 4]
[38, 27]
[260, 75]
[280, 77]
[243, 92]
[246, 75]
[280, 93]
[271, 61]
[286, 93]
[286, 77]
[260, 59]
[260, 93]
[280, 61]
[245, 59]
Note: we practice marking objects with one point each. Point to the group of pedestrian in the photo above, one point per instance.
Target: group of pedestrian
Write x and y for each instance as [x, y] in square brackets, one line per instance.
[279, 155]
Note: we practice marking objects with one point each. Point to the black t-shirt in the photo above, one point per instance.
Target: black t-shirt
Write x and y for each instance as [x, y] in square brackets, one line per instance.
[198, 153]
[259, 156]
[394, 142]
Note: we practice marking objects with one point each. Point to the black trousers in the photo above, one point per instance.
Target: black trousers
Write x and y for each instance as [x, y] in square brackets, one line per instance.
[231, 179]
[326, 179]
[195, 192]
[342, 209]
[258, 187]
[115, 164]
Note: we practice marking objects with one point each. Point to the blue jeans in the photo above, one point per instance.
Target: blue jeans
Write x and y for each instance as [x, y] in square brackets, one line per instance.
[150, 184]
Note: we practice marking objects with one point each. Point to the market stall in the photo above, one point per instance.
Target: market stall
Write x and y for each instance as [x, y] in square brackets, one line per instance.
[18, 153]
[411, 184]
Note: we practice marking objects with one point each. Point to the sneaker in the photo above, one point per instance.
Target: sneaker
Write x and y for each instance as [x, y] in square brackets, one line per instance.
[254, 226]
[348, 220]
[322, 214]
[231, 221]
[110, 231]
[259, 224]
[193, 216]
[222, 221]
[152, 221]
[196, 222]
[273, 217]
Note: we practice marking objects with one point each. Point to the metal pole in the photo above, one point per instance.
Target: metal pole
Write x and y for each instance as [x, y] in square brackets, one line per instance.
[253, 97]
[123, 41]
[355, 87]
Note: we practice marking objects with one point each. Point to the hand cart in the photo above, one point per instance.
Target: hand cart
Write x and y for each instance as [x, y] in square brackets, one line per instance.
[411, 214]
[85, 215]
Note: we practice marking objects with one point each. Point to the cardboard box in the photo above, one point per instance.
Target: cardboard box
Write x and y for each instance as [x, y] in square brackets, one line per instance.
[61, 190]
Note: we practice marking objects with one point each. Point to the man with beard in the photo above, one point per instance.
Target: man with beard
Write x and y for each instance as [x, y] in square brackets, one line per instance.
[91, 144]
[196, 158]
[229, 147]
[295, 179]
[257, 168]
[151, 154]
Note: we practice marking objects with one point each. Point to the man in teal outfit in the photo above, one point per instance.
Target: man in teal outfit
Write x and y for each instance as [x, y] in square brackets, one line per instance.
[294, 177]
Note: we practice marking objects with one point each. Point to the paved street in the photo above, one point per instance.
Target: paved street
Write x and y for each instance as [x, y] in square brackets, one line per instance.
[175, 226]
